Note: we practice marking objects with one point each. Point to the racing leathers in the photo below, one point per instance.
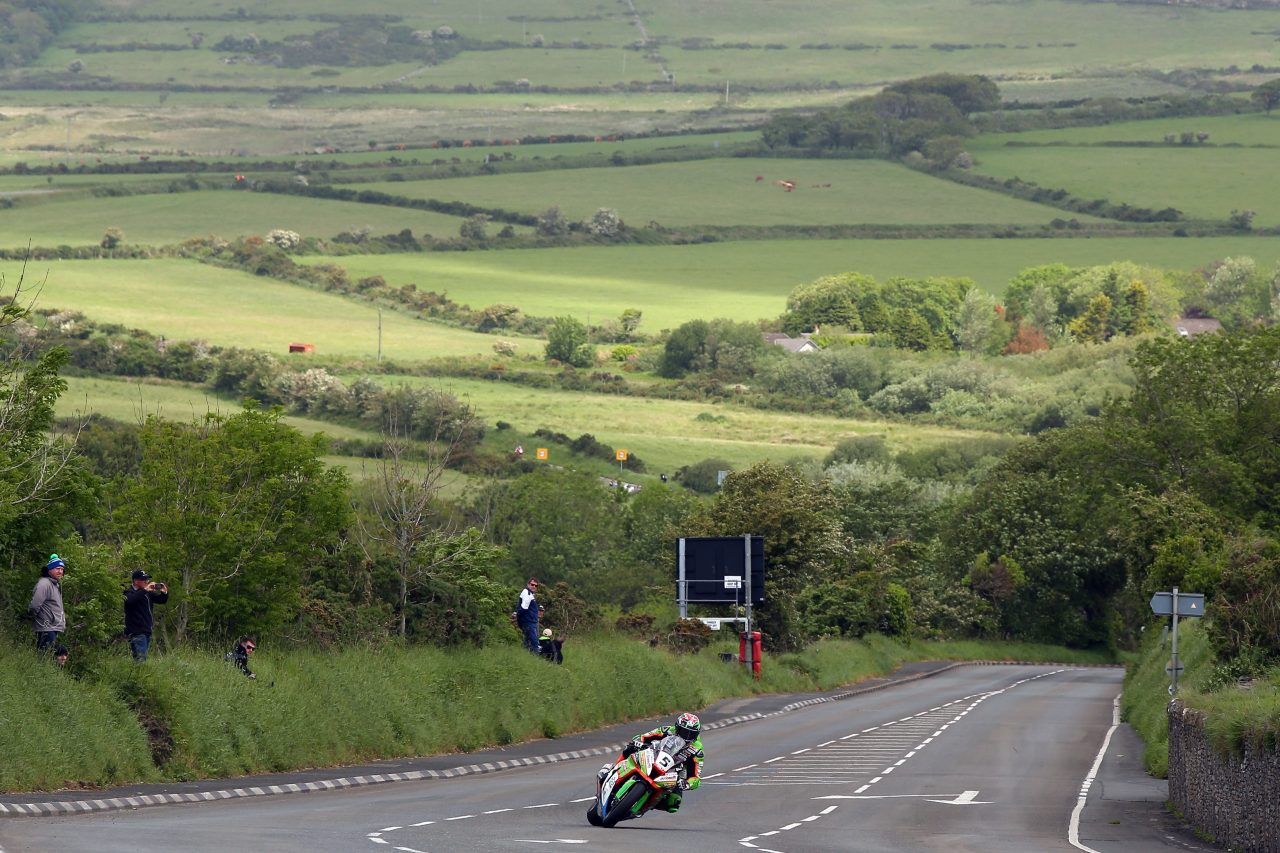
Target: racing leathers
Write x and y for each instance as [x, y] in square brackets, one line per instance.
[690, 771]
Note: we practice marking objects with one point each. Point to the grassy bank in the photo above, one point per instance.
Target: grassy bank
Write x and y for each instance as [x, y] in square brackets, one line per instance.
[1236, 713]
[190, 715]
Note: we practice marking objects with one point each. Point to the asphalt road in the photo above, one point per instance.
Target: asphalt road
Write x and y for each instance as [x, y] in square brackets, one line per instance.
[991, 759]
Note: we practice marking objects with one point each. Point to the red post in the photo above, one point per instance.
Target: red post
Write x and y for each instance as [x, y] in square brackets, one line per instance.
[742, 647]
[756, 651]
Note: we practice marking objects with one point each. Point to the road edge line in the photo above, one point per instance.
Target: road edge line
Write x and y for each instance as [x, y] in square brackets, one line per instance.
[1073, 828]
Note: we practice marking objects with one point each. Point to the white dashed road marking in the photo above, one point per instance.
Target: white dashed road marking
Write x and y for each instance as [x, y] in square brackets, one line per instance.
[803, 769]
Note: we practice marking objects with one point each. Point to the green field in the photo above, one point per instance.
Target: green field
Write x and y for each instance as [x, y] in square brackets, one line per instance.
[1244, 129]
[667, 434]
[727, 192]
[1039, 49]
[164, 218]
[185, 300]
[1036, 37]
[751, 280]
[1209, 184]
[132, 400]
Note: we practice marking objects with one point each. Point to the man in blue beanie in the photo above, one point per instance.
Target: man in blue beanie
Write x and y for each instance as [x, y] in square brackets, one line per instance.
[46, 604]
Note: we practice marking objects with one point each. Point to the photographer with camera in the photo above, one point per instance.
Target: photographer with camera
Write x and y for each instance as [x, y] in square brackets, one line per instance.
[138, 621]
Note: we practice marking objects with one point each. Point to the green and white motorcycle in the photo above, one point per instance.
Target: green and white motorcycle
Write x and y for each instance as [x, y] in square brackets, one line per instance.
[635, 783]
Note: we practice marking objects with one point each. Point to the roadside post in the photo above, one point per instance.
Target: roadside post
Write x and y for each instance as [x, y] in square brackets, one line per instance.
[1176, 604]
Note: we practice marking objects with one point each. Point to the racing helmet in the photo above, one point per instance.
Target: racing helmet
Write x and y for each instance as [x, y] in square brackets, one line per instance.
[688, 727]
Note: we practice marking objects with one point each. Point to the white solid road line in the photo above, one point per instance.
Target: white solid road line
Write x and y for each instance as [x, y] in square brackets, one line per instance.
[1073, 831]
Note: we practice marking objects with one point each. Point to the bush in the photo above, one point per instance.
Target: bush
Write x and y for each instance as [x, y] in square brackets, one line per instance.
[688, 635]
[703, 476]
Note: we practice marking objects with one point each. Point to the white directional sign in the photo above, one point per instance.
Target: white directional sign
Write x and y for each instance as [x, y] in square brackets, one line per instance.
[733, 581]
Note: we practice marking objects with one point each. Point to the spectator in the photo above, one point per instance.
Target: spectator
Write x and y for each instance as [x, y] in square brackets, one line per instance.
[46, 604]
[549, 648]
[526, 615]
[138, 621]
[240, 655]
[60, 655]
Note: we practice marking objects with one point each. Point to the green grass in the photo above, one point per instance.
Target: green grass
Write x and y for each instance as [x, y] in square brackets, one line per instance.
[1209, 184]
[185, 300]
[666, 434]
[378, 703]
[751, 280]
[1244, 129]
[1039, 49]
[1233, 715]
[38, 704]
[166, 218]
[132, 400]
[726, 192]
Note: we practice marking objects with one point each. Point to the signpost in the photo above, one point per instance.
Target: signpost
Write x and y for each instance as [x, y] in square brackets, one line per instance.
[724, 570]
[1176, 604]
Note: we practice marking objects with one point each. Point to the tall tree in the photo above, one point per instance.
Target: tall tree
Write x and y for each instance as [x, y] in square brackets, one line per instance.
[228, 510]
[407, 518]
[43, 482]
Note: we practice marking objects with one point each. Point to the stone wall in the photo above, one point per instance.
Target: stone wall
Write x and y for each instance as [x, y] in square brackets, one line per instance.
[1234, 799]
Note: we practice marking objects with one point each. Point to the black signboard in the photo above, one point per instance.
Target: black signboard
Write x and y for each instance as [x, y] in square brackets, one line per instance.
[705, 561]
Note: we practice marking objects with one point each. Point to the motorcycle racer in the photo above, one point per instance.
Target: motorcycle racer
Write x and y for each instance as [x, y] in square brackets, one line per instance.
[688, 727]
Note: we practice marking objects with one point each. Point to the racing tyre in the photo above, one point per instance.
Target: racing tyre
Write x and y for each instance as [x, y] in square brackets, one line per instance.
[593, 816]
[622, 808]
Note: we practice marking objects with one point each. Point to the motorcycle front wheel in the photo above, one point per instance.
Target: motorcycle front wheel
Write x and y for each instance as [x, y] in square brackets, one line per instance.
[622, 808]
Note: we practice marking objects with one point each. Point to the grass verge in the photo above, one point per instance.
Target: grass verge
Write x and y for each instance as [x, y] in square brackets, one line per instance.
[198, 717]
[1235, 714]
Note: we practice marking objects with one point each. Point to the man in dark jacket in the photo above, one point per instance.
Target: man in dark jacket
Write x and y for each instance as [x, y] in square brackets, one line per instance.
[138, 621]
[240, 655]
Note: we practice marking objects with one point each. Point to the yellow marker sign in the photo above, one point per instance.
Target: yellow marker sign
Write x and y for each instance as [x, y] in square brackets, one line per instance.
[621, 455]
[541, 453]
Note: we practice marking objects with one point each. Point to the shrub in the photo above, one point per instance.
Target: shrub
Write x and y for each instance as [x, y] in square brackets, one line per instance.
[688, 635]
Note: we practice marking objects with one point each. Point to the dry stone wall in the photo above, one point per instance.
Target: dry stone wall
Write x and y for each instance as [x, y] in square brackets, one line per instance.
[1234, 799]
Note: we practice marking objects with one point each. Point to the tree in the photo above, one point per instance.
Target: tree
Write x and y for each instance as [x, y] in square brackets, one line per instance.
[1042, 308]
[1267, 95]
[111, 238]
[629, 321]
[567, 342]
[44, 483]
[475, 227]
[408, 520]
[1238, 293]
[1093, 326]
[557, 525]
[830, 300]
[683, 346]
[552, 223]
[977, 320]
[802, 540]
[605, 222]
[231, 508]
[970, 93]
